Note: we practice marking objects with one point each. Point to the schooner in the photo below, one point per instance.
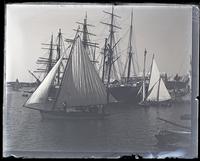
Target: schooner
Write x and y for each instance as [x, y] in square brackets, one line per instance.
[124, 88]
[81, 93]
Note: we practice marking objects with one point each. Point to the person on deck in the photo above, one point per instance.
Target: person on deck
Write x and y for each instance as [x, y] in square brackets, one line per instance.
[64, 106]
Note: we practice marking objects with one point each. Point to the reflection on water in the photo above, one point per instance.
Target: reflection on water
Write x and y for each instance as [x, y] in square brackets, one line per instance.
[129, 128]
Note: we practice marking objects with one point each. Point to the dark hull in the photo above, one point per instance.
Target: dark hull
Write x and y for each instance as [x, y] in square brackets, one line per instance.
[72, 115]
[126, 94]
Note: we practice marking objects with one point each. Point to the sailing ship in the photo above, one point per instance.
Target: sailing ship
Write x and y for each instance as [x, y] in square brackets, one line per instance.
[81, 93]
[48, 62]
[157, 93]
[123, 88]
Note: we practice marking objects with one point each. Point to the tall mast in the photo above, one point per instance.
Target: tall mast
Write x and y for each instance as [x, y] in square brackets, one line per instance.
[58, 55]
[104, 59]
[47, 61]
[85, 39]
[110, 66]
[130, 48]
[85, 31]
[158, 92]
[110, 46]
[111, 29]
[151, 67]
[110, 57]
[50, 55]
[143, 87]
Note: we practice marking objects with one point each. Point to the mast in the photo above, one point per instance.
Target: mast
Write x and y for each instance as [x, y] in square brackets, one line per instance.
[110, 57]
[58, 55]
[104, 59]
[158, 92]
[86, 39]
[47, 61]
[144, 88]
[85, 31]
[110, 46]
[110, 66]
[50, 55]
[130, 48]
[151, 67]
[111, 29]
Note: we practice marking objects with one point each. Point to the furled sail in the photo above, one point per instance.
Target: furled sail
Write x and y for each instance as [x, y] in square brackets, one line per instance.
[157, 90]
[81, 85]
[39, 97]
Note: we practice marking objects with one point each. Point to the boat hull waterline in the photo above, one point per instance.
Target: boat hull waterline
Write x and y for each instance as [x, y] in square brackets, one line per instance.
[72, 115]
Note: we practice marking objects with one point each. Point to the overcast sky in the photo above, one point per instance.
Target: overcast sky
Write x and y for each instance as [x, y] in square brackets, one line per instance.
[162, 30]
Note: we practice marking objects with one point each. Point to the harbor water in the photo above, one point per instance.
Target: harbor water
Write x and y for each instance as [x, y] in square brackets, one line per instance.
[129, 129]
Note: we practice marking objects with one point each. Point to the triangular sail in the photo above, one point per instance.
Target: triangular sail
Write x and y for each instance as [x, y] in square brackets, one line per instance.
[156, 85]
[39, 97]
[163, 94]
[81, 85]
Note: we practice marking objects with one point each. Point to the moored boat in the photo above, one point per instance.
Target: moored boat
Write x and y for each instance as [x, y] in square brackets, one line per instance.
[127, 84]
[81, 93]
[157, 94]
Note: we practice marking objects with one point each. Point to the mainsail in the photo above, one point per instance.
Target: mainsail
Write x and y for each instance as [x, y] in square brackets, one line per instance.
[157, 90]
[81, 85]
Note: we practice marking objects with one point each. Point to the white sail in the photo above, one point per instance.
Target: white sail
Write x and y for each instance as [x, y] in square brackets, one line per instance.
[157, 90]
[153, 94]
[81, 85]
[39, 97]
[163, 93]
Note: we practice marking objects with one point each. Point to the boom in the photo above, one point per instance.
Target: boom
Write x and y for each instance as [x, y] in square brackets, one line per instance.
[38, 81]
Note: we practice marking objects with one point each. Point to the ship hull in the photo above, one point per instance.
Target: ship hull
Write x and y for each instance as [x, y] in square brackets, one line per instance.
[126, 94]
[72, 115]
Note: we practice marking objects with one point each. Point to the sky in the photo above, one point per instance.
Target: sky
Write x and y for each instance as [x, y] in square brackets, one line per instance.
[162, 30]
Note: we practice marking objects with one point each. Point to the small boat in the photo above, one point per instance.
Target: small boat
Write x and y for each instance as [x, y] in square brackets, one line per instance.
[81, 93]
[157, 94]
[168, 137]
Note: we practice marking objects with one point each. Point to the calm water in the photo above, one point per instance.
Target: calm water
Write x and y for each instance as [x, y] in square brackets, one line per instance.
[129, 129]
